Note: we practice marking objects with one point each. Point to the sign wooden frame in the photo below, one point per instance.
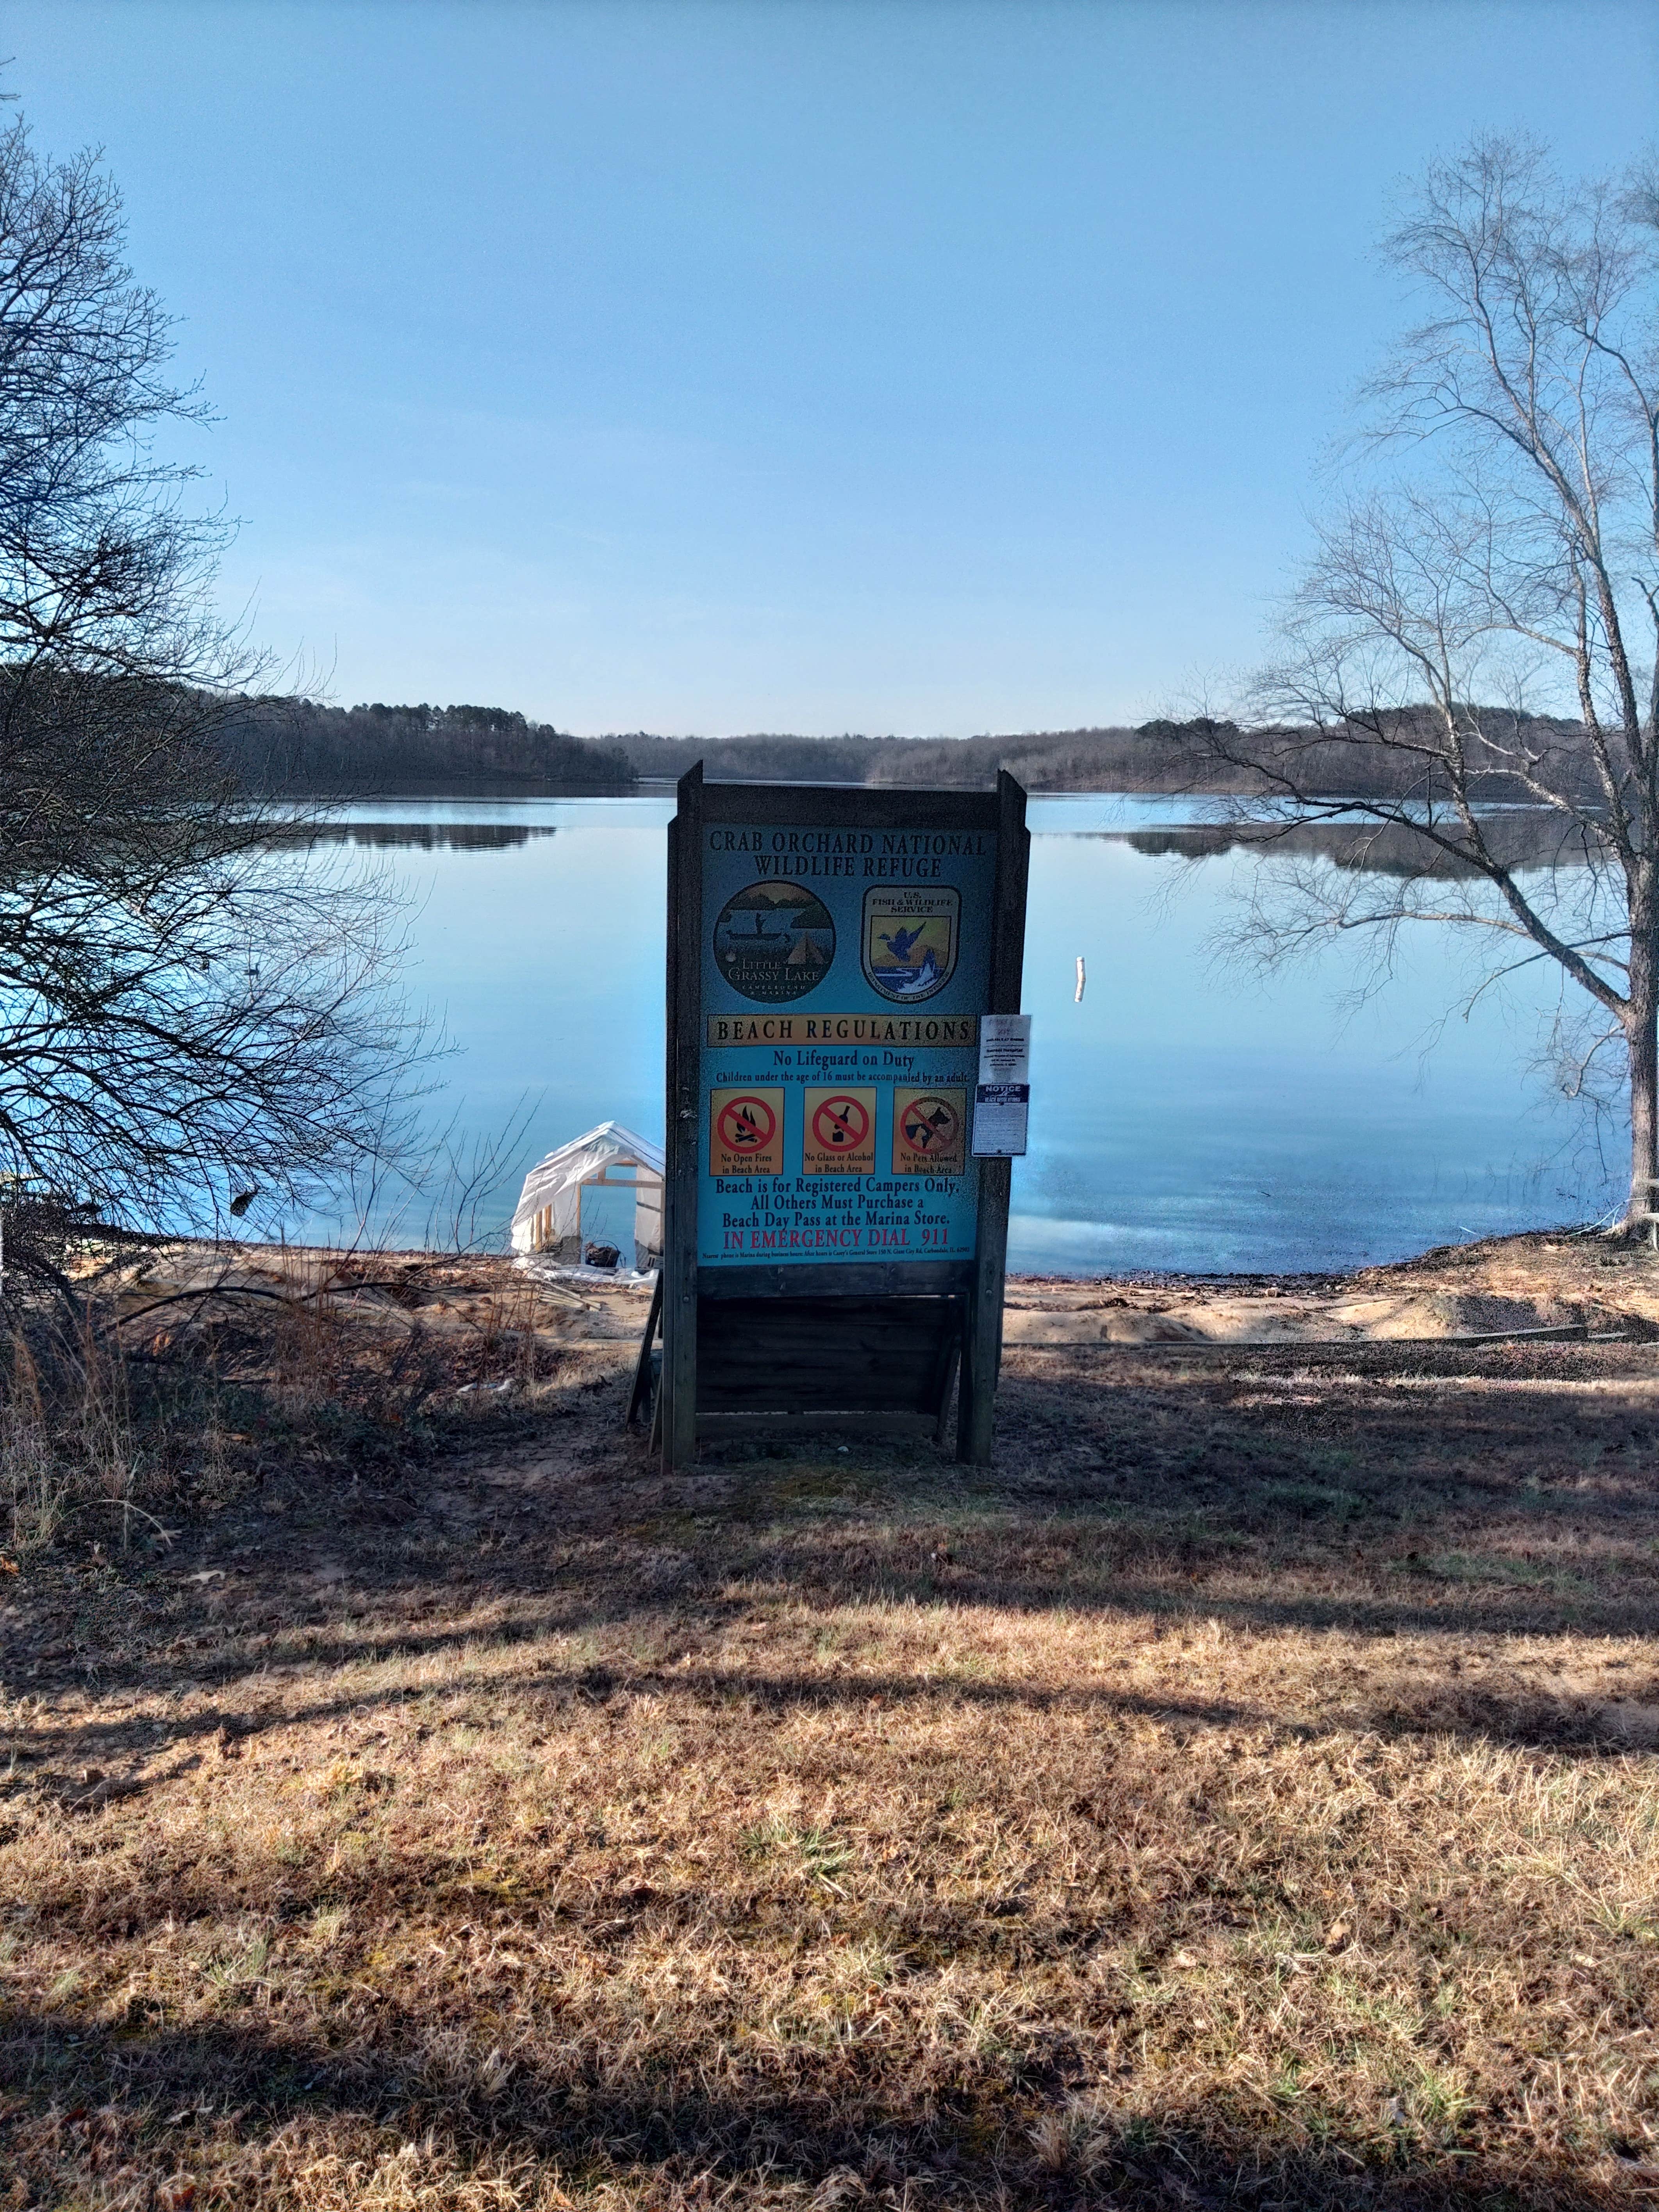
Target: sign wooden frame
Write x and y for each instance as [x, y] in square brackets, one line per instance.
[949, 1311]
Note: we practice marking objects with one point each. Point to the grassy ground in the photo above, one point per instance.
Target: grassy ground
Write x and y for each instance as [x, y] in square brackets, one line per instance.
[1244, 1794]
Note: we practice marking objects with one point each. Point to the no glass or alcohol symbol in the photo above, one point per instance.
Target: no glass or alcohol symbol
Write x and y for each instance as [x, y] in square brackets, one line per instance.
[745, 1133]
[840, 1132]
[841, 1125]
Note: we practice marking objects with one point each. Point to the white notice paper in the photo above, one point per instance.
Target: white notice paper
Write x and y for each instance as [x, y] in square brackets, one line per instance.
[1002, 1099]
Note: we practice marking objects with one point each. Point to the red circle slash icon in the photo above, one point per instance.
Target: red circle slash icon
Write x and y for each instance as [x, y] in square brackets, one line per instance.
[841, 1125]
[930, 1126]
[745, 1125]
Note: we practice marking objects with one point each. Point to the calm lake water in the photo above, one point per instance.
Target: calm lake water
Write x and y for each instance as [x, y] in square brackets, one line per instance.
[1183, 1115]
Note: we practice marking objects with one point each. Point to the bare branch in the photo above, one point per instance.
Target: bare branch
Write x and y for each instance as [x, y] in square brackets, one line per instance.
[1506, 508]
[189, 1024]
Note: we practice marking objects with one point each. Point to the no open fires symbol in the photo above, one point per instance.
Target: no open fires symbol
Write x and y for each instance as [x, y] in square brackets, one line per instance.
[841, 1124]
[745, 1131]
[746, 1124]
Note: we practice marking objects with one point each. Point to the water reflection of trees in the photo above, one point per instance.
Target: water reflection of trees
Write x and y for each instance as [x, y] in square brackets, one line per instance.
[1534, 837]
[1526, 838]
[428, 837]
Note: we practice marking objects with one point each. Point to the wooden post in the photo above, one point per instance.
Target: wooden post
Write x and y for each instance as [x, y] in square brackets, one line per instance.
[679, 1398]
[640, 1395]
[983, 1336]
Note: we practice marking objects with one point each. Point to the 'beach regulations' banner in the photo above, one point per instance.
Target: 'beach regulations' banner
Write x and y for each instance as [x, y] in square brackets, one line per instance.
[844, 971]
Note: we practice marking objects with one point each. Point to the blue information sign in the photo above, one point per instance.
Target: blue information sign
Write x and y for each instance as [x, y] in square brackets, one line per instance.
[844, 974]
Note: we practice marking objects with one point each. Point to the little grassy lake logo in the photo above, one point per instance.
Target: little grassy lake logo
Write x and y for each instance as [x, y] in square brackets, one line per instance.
[909, 941]
[773, 942]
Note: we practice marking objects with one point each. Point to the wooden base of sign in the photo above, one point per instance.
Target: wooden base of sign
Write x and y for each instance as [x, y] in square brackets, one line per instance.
[800, 1362]
[842, 1423]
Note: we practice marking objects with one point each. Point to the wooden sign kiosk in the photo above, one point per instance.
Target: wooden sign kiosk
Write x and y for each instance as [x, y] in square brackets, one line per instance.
[833, 1252]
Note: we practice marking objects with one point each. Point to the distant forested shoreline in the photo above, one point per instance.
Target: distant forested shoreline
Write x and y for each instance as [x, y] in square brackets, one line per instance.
[287, 746]
[295, 747]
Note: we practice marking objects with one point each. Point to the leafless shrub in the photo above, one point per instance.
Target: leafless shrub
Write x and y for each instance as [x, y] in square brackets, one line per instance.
[69, 1446]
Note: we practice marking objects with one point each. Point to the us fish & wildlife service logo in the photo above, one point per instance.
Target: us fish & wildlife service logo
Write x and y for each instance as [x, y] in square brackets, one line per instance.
[909, 941]
[773, 942]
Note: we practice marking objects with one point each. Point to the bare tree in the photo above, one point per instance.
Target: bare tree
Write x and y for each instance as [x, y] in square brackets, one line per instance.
[1497, 542]
[192, 1023]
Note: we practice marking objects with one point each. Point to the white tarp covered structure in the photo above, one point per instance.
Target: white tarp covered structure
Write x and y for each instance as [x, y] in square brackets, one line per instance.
[550, 1214]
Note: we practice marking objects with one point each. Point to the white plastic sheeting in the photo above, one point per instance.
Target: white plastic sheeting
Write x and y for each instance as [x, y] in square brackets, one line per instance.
[548, 1216]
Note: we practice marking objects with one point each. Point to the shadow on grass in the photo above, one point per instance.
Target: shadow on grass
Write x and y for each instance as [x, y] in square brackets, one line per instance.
[1441, 1706]
[153, 2102]
[1376, 1510]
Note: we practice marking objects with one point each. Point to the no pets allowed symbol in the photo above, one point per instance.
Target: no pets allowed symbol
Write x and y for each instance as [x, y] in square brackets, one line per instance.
[930, 1132]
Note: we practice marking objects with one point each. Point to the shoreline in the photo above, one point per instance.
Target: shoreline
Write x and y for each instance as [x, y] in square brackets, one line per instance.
[1535, 1283]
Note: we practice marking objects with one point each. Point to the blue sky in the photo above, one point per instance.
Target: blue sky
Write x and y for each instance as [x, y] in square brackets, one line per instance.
[705, 368]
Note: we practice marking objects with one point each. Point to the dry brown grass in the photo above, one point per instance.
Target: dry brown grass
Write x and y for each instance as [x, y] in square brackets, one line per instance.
[1244, 1796]
[195, 1372]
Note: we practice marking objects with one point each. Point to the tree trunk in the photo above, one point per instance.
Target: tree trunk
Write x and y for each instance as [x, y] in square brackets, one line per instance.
[1642, 1037]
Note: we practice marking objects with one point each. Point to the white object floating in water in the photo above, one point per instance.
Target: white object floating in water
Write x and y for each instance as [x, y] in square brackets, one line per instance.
[1081, 980]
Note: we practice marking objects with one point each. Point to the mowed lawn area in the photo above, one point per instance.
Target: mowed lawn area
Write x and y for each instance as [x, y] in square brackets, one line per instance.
[1245, 1793]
